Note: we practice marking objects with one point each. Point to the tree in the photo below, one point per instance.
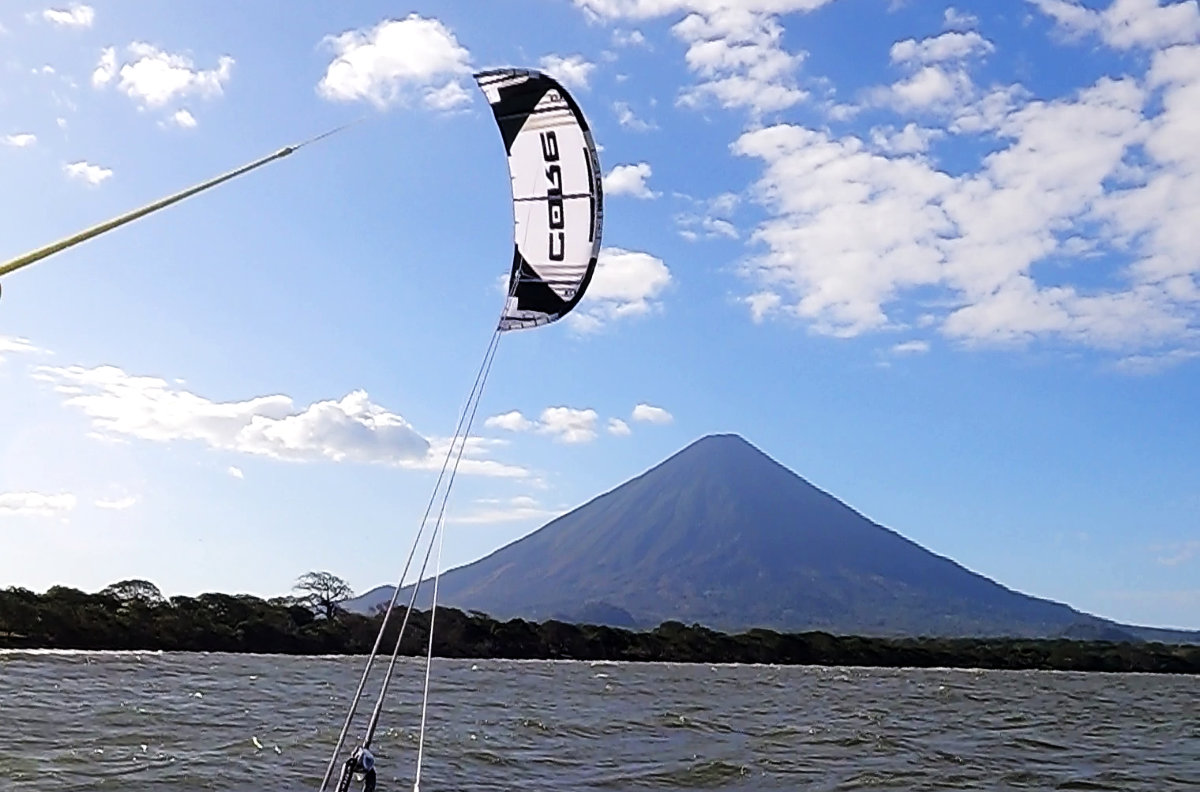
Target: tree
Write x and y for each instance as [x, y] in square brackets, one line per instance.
[322, 591]
[135, 591]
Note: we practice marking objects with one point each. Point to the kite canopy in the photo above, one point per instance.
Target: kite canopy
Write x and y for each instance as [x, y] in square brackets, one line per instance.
[557, 195]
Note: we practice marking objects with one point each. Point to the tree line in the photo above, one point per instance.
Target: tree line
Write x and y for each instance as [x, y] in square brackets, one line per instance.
[133, 614]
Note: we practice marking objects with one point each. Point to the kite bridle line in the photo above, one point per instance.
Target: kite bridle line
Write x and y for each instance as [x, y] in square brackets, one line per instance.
[35, 256]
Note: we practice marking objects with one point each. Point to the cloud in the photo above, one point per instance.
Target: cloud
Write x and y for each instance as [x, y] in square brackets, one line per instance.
[510, 421]
[568, 425]
[626, 283]
[87, 172]
[154, 78]
[913, 139]
[565, 424]
[650, 414]
[351, 429]
[76, 15]
[735, 47]
[762, 304]
[36, 504]
[911, 348]
[629, 180]
[117, 504]
[20, 139]
[953, 19]
[235, 471]
[628, 120]
[395, 62]
[16, 345]
[630, 38]
[571, 71]
[106, 67]
[183, 119]
[1127, 24]
[948, 46]
[618, 427]
[1111, 169]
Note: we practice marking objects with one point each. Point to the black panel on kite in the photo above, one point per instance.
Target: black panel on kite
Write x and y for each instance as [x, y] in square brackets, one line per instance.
[557, 195]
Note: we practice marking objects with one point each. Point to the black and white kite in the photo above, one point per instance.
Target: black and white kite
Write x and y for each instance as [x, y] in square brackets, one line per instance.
[557, 194]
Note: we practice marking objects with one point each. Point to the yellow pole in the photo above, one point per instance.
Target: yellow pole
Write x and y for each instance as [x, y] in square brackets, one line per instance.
[129, 217]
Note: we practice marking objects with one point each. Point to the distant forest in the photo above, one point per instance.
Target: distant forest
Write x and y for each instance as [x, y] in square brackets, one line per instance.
[134, 615]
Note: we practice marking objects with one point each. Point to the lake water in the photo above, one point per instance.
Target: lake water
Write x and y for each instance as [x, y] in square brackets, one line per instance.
[167, 722]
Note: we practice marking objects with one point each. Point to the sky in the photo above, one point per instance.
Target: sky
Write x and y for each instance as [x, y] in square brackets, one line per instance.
[938, 259]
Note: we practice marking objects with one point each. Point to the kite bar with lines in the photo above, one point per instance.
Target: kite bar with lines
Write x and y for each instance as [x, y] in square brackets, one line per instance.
[56, 247]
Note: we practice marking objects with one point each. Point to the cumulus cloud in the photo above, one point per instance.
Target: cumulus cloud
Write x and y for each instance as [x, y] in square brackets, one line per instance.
[76, 15]
[565, 424]
[154, 77]
[735, 47]
[36, 504]
[396, 62]
[629, 180]
[235, 471]
[571, 71]
[87, 172]
[648, 413]
[954, 19]
[912, 139]
[948, 46]
[618, 427]
[20, 139]
[350, 429]
[626, 283]
[1126, 24]
[106, 67]
[629, 120]
[512, 421]
[183, 119]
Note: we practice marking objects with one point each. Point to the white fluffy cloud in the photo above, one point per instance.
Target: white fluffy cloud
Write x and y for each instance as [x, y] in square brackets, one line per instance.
[20, 139]
[512, 421]
[629, 180]
[735, 47]
[87, 172]
[629, 120]
[351, 429]
[948, 46]
[851, 229]
[183, 119]
[36, 504]
[154, 78]
[75, 15]
[626, 283]
[396, 61]
[648, 413]
[1126, 24]
[572, 71]
[618, 427]
[565, 424]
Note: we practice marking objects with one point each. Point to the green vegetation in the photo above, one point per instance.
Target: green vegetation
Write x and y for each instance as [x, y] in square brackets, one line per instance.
[134, 615]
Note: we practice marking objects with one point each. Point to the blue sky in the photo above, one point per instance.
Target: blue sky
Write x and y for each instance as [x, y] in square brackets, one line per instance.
[939, 259]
